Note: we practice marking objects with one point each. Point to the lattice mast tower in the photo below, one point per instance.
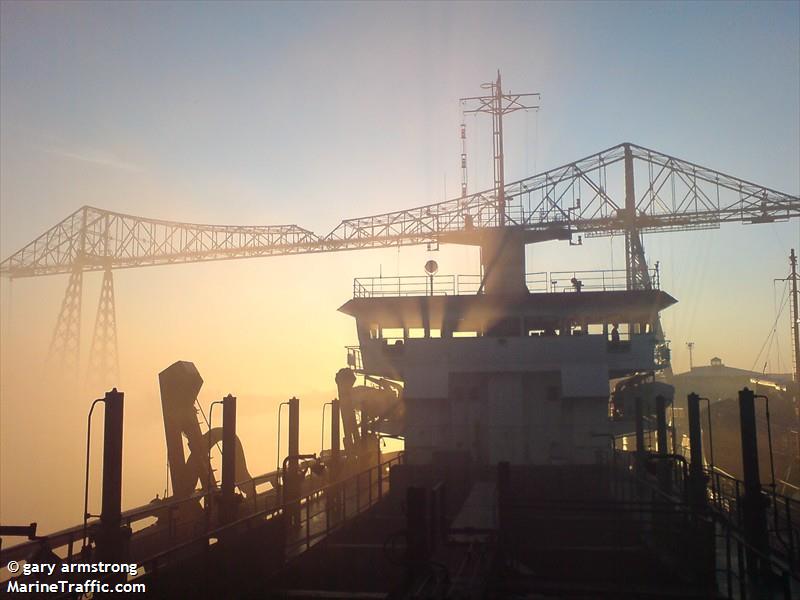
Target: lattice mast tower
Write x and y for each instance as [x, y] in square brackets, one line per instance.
[795, 332]
[496, 104]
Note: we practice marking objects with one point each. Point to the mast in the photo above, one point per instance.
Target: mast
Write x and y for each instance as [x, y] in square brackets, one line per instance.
[497, 104]
[795, 332]
[497, 146]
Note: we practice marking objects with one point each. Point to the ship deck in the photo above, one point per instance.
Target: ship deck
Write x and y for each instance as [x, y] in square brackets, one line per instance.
[562, 531]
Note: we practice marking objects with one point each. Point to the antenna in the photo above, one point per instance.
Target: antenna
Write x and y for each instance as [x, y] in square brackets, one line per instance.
[690, 346]
[795, 333]
[497, 104]
[463, 156]
[795, 324]
[795, 320]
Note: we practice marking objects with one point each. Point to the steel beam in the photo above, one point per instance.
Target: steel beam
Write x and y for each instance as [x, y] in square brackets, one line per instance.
[672, 194]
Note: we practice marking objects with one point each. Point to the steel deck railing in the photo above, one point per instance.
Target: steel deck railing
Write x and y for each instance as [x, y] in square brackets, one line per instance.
[725, 495]
[355, 494]
[465, 285]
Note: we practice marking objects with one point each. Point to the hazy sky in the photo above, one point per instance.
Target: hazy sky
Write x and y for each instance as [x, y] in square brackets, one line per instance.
[267, 113]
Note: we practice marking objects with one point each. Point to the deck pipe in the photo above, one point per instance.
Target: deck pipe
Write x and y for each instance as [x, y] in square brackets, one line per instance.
[333, 499]
[294, 433]
[228, 504]
[661, 437]
[112, 538]
[697, 477]
[336, 439]
[702, 553]
[639, 417]
[291, 475]
[754, 503]
[364, 454]
[661, 424]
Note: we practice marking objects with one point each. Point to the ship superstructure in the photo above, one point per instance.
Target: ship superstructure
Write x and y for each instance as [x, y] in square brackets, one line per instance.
[507, 374]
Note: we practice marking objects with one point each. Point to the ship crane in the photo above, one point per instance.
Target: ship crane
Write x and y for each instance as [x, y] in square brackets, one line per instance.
[624, 190]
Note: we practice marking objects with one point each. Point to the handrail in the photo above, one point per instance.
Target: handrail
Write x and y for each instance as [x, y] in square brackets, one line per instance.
[273, 511]
[725, 509]
[465, 285]
[68, 537]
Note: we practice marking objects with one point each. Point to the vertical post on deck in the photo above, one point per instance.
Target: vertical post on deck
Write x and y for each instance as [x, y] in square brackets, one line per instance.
[228, 504]
[294, 434]
[696, 475]
[661, 424]
[795, 333]
[291, 475]
[754, 503]
[112, 459]
[112, 538]
[332, 496]
[639, 417]
[702, 553]
[336, 439]
[664, 475]
[365, 449]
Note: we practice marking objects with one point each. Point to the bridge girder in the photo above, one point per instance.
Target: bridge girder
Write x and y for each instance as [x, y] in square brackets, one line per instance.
[659, 192]
[670, 195]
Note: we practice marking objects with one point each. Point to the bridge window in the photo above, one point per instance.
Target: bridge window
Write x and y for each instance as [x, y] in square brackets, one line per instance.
[392, 333]
[622, 332]
[465, 334]
[419, 332]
